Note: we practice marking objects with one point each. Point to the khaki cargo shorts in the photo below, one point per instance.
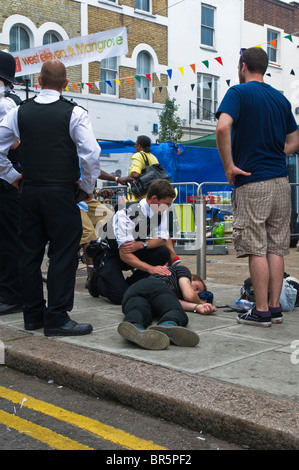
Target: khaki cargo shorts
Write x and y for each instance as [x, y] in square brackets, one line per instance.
[98, 215]
[262, 213]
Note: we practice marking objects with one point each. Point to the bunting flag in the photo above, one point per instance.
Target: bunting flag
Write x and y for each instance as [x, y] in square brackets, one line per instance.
[274, 43]
[181, 69]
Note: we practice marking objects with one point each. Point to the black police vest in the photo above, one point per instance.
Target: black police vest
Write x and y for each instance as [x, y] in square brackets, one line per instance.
[141, 221]
[48, 154]
[13, 155]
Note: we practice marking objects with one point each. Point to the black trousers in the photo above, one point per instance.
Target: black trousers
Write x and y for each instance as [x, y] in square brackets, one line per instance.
[111, 281]
[150, 298]
[10, 291]
[48, 214]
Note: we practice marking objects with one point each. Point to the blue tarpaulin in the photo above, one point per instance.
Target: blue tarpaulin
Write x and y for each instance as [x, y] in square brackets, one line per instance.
[183, 163]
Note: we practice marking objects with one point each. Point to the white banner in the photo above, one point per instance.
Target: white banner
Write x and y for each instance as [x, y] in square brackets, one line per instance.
[98, 46]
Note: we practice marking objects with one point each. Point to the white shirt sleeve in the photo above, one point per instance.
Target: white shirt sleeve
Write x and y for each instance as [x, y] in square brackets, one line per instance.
[88, 148]
[9, 134]
[123, 228]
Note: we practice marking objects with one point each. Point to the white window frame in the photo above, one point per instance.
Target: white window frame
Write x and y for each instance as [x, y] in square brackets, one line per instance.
[270, 48]
[142, 8]
[113, 73]
[202, 112]
[144, 81]
[212, 46]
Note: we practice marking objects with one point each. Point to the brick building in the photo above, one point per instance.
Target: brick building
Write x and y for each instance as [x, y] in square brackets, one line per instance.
[120, 105]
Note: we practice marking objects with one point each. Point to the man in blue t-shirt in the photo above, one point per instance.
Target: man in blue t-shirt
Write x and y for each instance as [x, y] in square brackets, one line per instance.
[255, 132]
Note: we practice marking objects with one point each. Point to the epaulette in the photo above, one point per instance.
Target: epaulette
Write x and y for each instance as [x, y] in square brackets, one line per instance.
[71, 102]
[13, 97]
[28, 100]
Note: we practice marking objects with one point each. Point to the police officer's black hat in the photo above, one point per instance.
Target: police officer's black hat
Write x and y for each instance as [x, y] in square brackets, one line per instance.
[7, 67]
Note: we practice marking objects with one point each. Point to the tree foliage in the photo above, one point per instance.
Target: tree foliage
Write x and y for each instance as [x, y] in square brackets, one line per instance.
[169, 123]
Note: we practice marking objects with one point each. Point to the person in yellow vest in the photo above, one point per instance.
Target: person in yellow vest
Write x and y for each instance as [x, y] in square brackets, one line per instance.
[142, 145]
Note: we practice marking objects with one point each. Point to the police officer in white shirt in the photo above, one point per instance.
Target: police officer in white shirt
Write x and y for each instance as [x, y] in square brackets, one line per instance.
[137, 239]
[10, 290]
[54, 133]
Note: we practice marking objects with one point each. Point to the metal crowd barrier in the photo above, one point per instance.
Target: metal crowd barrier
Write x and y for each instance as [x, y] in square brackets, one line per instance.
[194, 242]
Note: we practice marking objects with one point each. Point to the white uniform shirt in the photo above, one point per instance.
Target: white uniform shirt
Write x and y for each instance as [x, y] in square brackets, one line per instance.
[81, 133]
[6, 103]
[124, 227]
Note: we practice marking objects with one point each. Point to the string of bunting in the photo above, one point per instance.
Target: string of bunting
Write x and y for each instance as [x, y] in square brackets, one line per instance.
[149, 76]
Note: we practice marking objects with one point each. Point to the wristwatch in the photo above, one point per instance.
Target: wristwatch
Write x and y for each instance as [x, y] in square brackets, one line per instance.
[145, 245]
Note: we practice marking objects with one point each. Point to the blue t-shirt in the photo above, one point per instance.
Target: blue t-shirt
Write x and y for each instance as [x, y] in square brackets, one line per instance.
[262, 117]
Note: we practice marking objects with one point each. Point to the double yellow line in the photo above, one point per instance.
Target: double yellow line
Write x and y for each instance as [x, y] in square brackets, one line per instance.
[57, 441]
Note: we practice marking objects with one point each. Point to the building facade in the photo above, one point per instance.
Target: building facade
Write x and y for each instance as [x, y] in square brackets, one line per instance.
[208, 36]
[126, 93]
[186, 49]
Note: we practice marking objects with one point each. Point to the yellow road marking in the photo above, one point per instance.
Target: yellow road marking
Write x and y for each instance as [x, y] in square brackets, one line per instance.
[104, 431]
[54, 440]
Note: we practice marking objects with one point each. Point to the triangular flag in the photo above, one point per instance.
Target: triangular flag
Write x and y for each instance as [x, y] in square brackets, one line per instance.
[293, 72]
[175, 87]
[219, 60]
[158, 76]
[36, 86]
[117, 81]
[169, 71]
[228, 82]
[268, 74]
[97, 84]
[160, 88]
[109, 83]
[274, 43]
[192, 86]
[181, 69]
[75, 86]
[290, 37]
[148, 75]
[138, 78]
[260, 46]
[88, 84]
[82, 85]
[193, 67]
[206, 63]
[66, 88]
[128, 80]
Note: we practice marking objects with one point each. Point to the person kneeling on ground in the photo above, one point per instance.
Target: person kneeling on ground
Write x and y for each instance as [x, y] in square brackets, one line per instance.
[135, 239]
[166, 297]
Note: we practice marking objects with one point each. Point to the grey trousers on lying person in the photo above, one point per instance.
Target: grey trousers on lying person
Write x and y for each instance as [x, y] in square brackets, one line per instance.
[150, 298]
[111, 282]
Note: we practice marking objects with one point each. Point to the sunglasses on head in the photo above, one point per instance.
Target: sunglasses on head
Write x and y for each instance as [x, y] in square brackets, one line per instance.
[242, 55]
